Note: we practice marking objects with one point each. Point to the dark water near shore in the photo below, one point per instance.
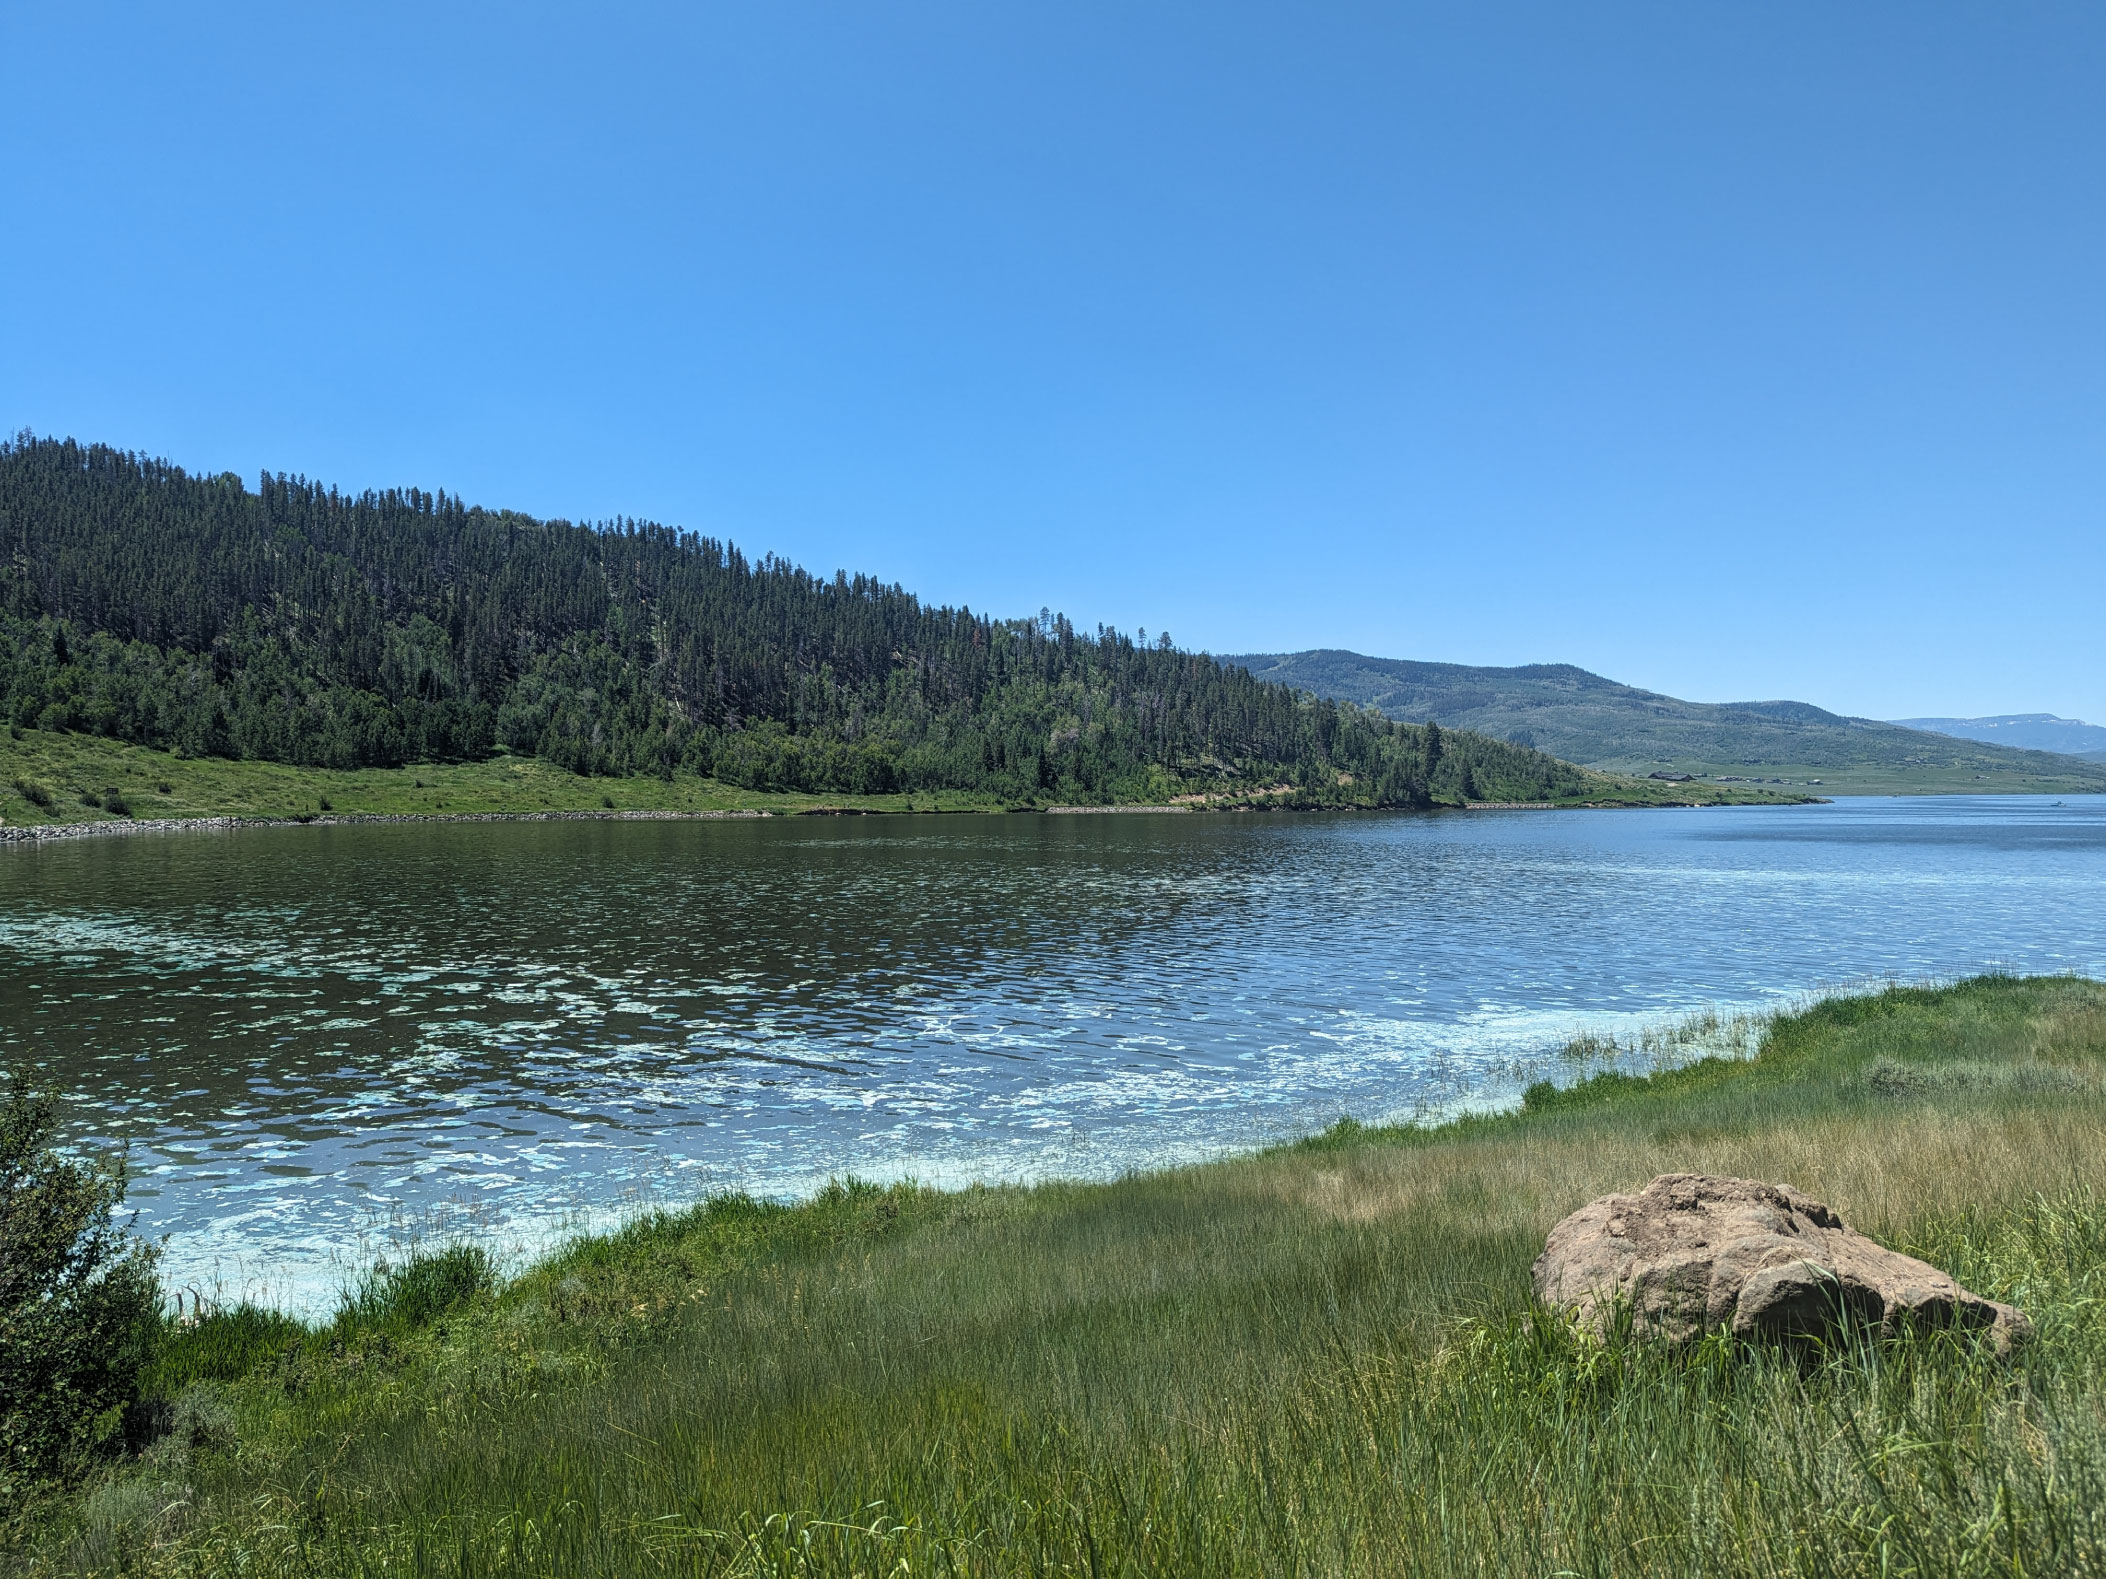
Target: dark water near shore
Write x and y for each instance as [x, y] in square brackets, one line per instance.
[322, 1039]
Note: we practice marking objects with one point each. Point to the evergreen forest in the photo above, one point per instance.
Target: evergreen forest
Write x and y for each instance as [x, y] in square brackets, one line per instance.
[292, 622]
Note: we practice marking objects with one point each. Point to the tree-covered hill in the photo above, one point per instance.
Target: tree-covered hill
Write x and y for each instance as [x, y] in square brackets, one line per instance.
[1584, 717]
[291, 622]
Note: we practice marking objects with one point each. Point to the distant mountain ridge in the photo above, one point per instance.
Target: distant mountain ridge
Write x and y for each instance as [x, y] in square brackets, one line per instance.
[1587, 718]
[2028, 731]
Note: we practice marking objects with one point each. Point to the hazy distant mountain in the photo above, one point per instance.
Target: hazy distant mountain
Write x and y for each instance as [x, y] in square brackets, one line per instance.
[1586, 718]
[2032, 731]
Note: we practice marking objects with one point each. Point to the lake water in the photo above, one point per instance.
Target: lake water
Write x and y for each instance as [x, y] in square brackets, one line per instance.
[319, 1041]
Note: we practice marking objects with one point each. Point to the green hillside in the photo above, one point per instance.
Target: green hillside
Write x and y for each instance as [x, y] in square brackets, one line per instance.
[294, 623]
[1583, 717]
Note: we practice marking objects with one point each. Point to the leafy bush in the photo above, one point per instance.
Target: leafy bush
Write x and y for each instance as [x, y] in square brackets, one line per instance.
[79, 1302]
[35, 791]
[199, 1421]
[114, 801]
[119, 1517]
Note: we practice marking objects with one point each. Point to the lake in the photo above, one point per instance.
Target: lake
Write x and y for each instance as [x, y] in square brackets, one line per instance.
[320, 1042]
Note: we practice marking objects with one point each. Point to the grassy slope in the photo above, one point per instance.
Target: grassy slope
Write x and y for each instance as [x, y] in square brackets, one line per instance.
[1316, 1360]
[68, 765]
[1878, 779]
[1583, 717]
[206, 787]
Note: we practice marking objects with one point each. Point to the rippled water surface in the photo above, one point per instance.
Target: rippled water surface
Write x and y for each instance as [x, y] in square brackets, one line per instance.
[319, 1039]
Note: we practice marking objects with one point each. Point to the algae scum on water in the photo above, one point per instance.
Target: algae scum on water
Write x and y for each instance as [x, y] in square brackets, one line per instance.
[327, 1043]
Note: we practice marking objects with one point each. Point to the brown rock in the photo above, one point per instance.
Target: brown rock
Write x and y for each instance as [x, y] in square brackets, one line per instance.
[1692, 1252]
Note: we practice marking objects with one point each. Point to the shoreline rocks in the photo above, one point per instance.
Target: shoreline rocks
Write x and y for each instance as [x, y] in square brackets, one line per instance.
[27, 833]
[1695, 1252]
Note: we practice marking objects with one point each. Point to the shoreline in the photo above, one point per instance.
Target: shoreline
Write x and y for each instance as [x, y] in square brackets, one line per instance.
[519, 1238]
[23, 833]
[1061, 1346]
[118, 827]
[58, 785]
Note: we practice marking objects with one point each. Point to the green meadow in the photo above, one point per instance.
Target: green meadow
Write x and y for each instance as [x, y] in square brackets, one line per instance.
[48, 777]
[1321, 1359]
[51, 778]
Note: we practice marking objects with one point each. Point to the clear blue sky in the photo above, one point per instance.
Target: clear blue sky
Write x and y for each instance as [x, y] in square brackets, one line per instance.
[1738, 351]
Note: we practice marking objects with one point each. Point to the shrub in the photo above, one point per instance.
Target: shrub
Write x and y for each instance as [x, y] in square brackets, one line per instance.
[199, 1421]
[114, 801]
[90, 798]
[79, 1302]
[119, 1517]
[35, 792]
[326, 804]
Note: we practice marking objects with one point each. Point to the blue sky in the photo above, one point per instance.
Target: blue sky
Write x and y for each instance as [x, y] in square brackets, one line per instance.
[1737, 351]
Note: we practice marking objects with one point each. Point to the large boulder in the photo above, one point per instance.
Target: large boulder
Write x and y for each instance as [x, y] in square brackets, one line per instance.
[1692, 1252]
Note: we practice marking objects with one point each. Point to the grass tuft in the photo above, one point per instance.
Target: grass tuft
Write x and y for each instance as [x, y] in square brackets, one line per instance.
[428, 1286]
[222, 1346]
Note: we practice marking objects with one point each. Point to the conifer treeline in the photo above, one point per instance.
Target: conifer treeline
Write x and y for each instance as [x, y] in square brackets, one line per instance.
[295, 623]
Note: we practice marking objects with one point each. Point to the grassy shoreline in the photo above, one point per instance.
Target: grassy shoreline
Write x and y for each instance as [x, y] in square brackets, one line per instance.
[1317, 1359]
[66, 781]
[1868, 778]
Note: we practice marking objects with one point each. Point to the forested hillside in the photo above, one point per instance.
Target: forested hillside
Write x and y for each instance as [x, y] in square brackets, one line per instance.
[291, 622]
[1586, 718]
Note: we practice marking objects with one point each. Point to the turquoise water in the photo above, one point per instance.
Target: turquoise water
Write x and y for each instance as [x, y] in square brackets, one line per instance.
[322, 1041]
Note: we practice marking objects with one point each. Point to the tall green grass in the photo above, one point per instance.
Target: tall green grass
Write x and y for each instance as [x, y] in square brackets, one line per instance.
[1322, 1360]
[47, 779]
